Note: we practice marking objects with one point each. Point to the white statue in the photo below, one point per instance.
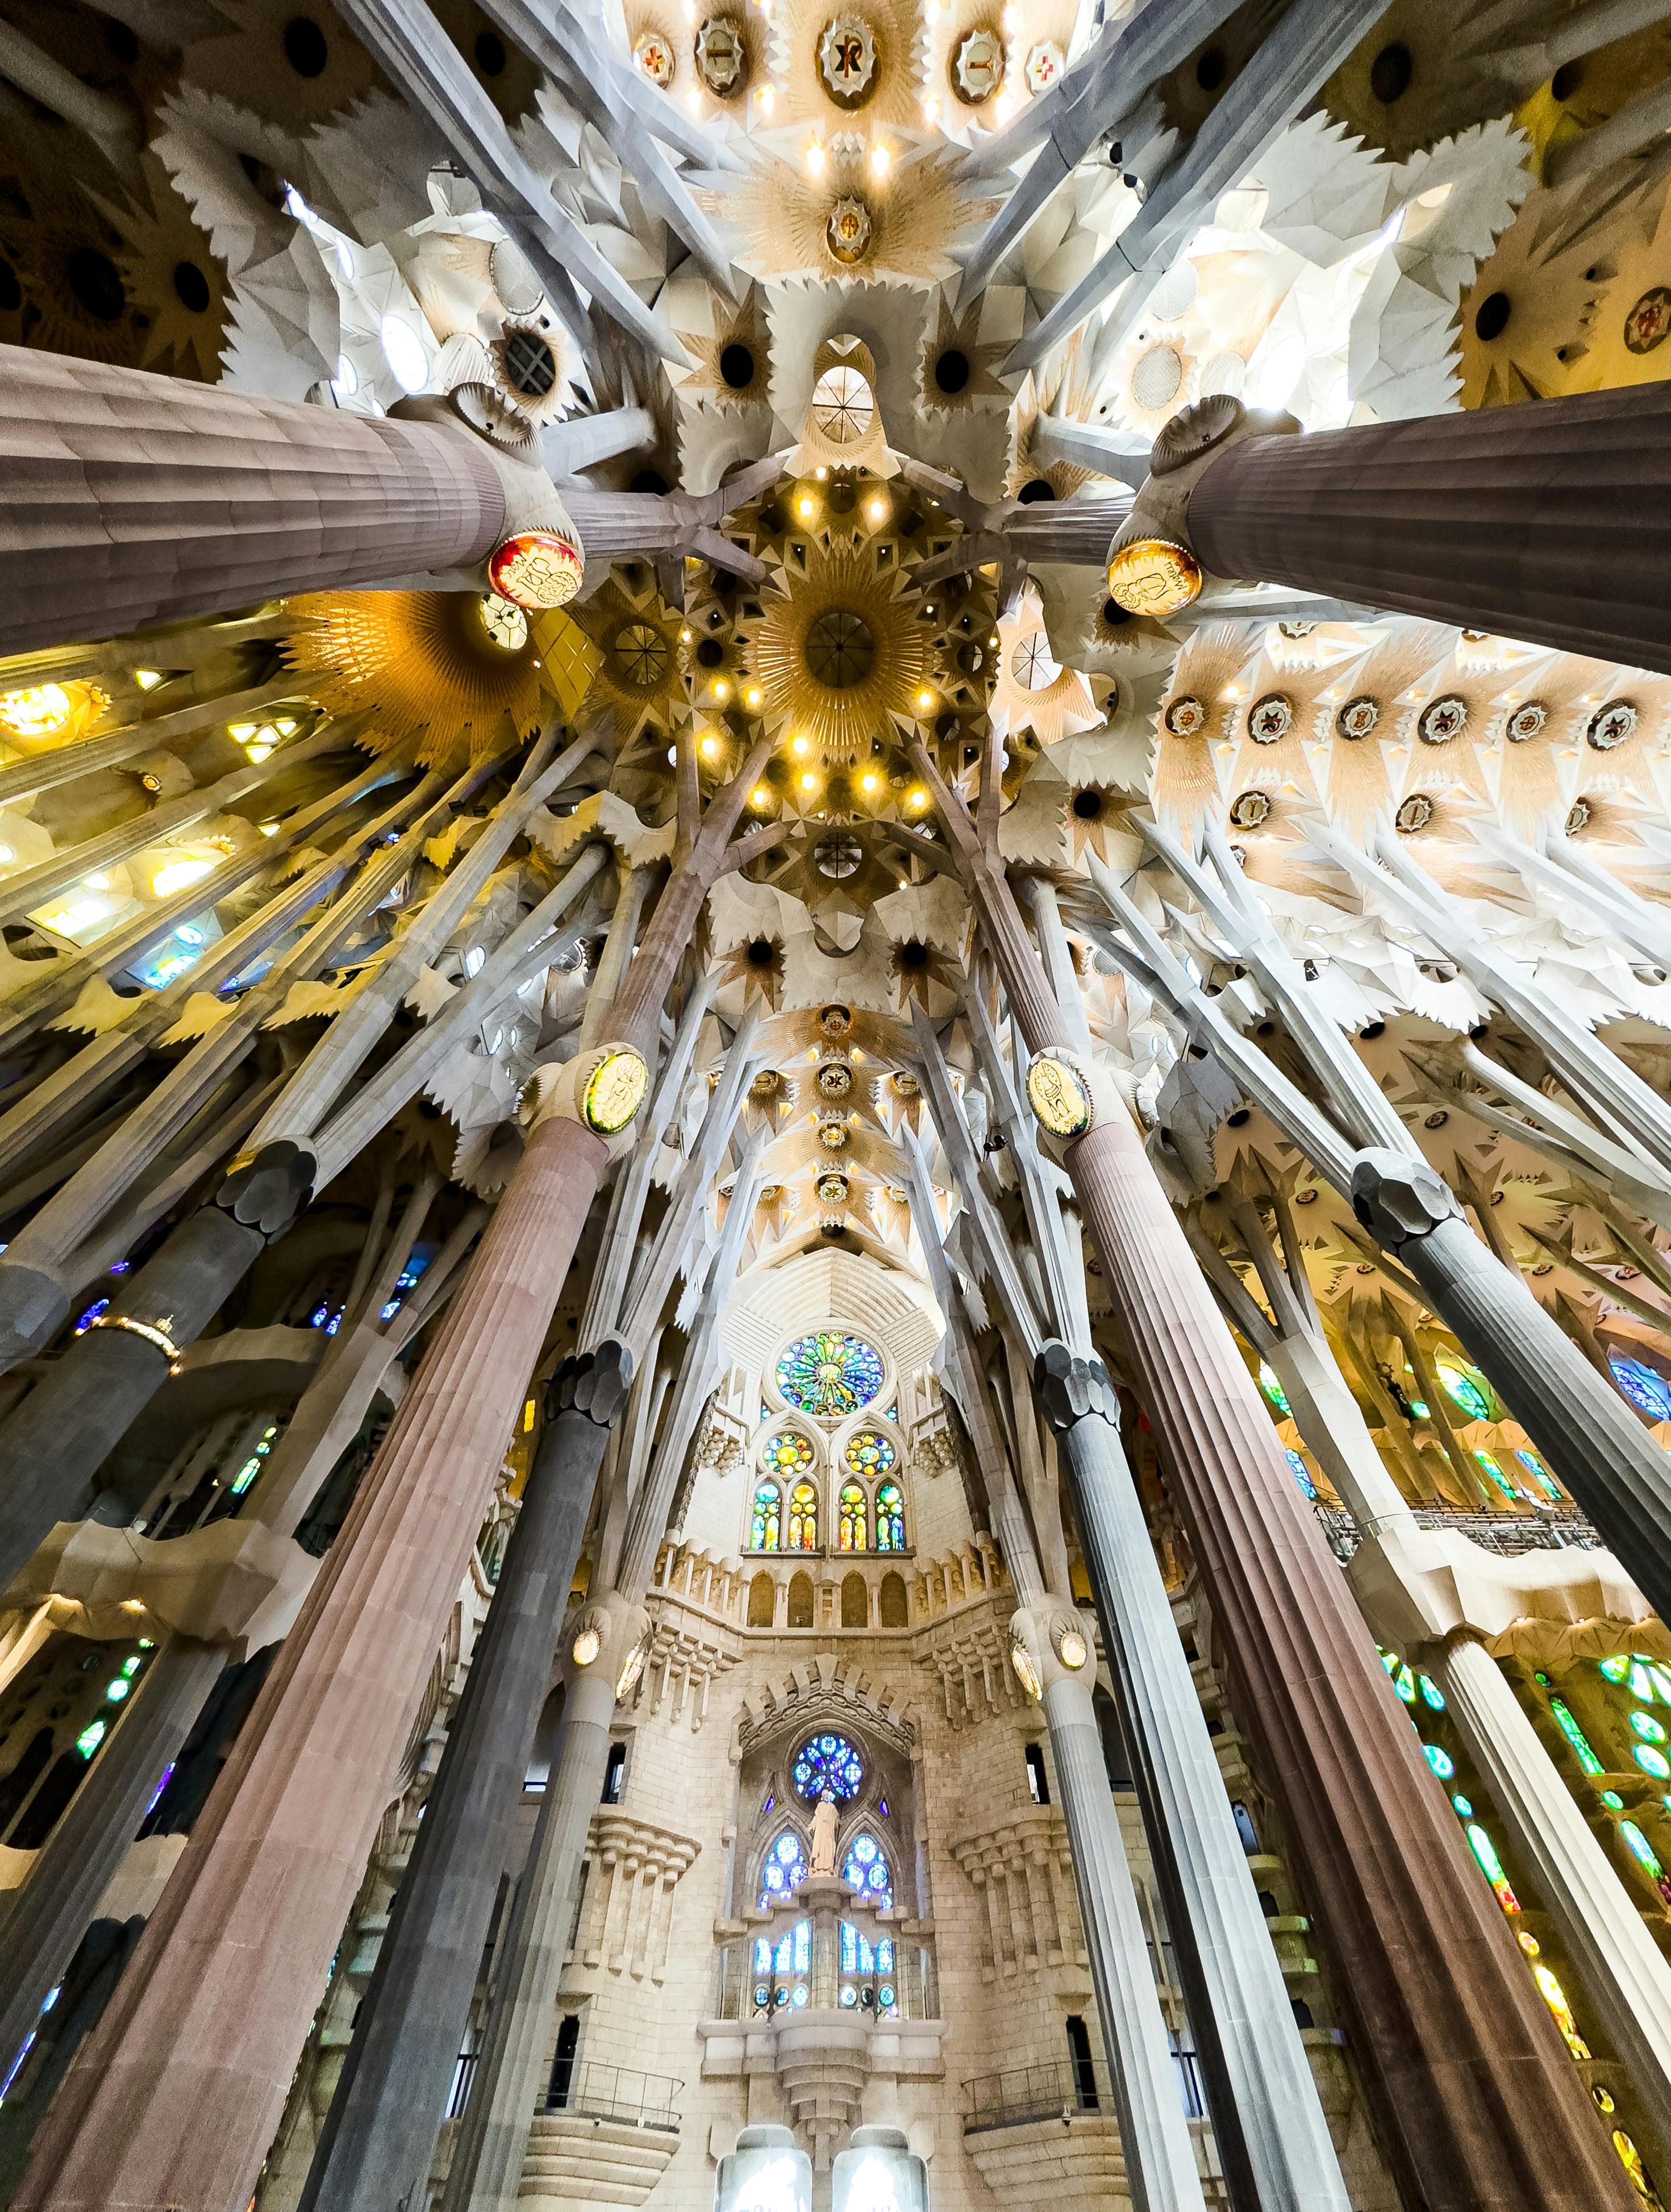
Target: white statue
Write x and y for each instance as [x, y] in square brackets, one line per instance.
[824, 1835]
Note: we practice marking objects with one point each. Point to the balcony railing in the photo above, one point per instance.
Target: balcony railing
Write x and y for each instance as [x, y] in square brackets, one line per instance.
[1031, 2093]
[597, 2092]
[1504, 1533]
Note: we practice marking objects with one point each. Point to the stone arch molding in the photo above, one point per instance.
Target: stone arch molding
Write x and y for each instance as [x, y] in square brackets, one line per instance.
[898, 1315]
[822, 1694]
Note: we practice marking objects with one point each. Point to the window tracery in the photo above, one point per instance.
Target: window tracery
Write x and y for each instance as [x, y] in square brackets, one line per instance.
[766, 1525]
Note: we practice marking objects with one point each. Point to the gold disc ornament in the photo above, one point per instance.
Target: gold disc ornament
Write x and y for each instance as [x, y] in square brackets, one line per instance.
[1152, 576]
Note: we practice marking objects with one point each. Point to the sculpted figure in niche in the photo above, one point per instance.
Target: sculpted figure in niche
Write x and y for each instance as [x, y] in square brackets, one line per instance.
[824, 1835]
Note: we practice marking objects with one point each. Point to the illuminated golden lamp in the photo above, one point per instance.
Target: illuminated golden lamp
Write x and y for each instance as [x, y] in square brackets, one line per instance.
[879, 158]
[878, 510]
[614, 1090]
[815, 159]
[1154, 576]
[809, 783]
[924, 699]
[868, 782]
[800, 746]
[40, 710]
[760, 797]
[919, 798]
[753, 695]
[722, 691]
[710, 746]
[805, 508]
[684, 635]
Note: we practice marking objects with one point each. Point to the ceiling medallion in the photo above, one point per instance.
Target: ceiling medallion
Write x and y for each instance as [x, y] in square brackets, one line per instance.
[977, 66]
[1442, 720]
[1648, 323]
[1186, 717]
[656, 57]
[839, 652]
[835, 1078]
[837, 858]
[1154, 576]
[1058, 1098]
[535, 568]
[1357, 717]
[833, 1136]
[614, 1090]
[1577, 816]
[906, 1084]
[843, 405]
[836, 1021]
[1044, 64]
[1270, 718]
[1249, 809]
[722, 59]
[848, 232]
[1526, 721]
[766, 1084]
[1415, 813]
[840, 649]
[1611, 724]
[1032, 664]
[846, 58]
[832, 1189]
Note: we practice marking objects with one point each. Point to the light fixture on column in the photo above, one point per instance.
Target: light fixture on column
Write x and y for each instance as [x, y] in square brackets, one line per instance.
[878, 2173]
[766, 2173]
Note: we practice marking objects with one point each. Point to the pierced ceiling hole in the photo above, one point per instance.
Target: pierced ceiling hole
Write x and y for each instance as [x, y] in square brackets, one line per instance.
[1211, 68]
[951, 370]
[305, 47]
[120, 42]
[737, 366]
[1390, 73]
[1566, 80]
[191, 287]
[710, 652]
[1492, 317]
[1114, 614]
[490, 56]
[93, 279]
[11, 291]
[1039, 488]
[1088, 805]
[915, 954]
[649, 480]
[531, 367]
[760, 952]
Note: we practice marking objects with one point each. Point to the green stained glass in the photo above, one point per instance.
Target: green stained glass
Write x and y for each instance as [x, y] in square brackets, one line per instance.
[1645, 1856]
[788, 1454]
[1645, 1726]
[1466, 1393]
[1405, 1683]
[1462, 1806]
[868, 1454]
[1615, 1669]
[829, 1375]
[1441, 1761]
[1641, 1682]
[1432, 1694]
[1575, 1736]
[1491, 1866]
[1652, 1762]
[1613, 1800]
[90, 1738]
[1272, 1387]
[1495, 1473]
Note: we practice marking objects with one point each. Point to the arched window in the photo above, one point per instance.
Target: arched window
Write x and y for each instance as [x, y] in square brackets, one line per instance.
[860, 1956]
[1642, 1385]
[855, 1602]
[782, 1967]
[763, 1601]
[851, 1526]
[763, 1530]
[892, 1609]
[783, 1870]
[865, 1869]
[827, 1762]
[890, 1518]
[788, 1456]
[799, 1613]
[1470, 1398]
[802, 1518]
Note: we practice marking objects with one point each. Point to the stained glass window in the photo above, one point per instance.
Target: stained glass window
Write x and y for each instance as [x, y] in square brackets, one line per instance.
[787, 1455]
[1566, 1722]
[1535, 1467]
[802, 1518]
[1302, 1474]
[791, 1955]
[890, 1518]
[1496, 1474]
[851, 1525]
[1466, 1393]
[867, 1870]
[764, 1529]
[1272, 1387]
[828, 1762]
[784, 1870]
[829, 1375]
[869, 1455]
[1642, 1385]
[1491, 1866]
[1646, 1857]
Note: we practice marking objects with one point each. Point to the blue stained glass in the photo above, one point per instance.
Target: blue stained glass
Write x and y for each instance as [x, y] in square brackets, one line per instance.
[1642, 1385]
[1535, 1467]
[98, 1307]
[1440, 1761]
[828, 1762]
[1466, 1393]
[1302, 1474]
[867, 1870]
[829, 1375]
[857, 1955]
[784, 1870]
[884, 1958]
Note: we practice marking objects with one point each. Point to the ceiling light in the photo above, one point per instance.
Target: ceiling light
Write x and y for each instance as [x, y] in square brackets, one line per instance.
[878, 510]
[800, 746]
[867, 783]
[753, 695]
[147, 678]
[760, 797]
[809, 783]
[804, 507]
[815, 159]
[710, 746]
[879, 158]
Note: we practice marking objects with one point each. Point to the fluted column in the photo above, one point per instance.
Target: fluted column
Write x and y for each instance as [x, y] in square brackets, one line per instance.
[133, 499]
[1625, 1975]
[1549, 521]
[379, 2135]
[48, 1917]
[1272, 2139]
[174, 2101]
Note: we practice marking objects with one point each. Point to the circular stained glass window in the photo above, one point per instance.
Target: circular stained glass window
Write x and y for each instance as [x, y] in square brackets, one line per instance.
[828, 1762]
[829, 1375]
[787, 1455]
[868, 1454]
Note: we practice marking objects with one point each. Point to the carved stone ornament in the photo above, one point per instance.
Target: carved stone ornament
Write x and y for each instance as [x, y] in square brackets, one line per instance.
[656, 56]
[1358, 717]
[1186, 717]
[1060, 1096]
[832, 1189]
[1414, 813]
[1270, 718]
[1611, 724]
[977, 65]
[847, 58]
[722, 59]
[848, 231]
[594, 1383]
[1249, 809]
[1443, 718]
[267, 1189]
[1071, 1388]
[1526, 722]
[1195, 430]
[835, 1078]
[1044, 64]
[1399, 1200]
[1154, 576]
[833, 1136]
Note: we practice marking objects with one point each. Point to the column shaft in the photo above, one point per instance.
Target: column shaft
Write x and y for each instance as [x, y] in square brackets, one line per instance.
[493, 2136]
[1273, 2141]
[380, 2133]
[1625, 1975]
[49, 1916]
[134, 499]
[1547, 521]
[1160, 2159]
[174, 2101]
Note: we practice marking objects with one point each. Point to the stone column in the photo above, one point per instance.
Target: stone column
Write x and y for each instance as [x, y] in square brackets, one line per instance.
[48, 1917]
[1580, 1423]
[510, 2075]
[1272, 2138]
[51, 1447]
[379, 2135]
[134, 499]
[1547, 521]
[1160, 2159]
[174, 2101]
[1625, 1975]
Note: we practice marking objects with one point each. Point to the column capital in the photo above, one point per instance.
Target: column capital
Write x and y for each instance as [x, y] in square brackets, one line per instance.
[1399, 1200]
[266, 1189]
[1071, 1388]
[594, 1383]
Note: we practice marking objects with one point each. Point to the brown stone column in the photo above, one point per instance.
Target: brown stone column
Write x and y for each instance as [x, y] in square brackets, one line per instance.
[172, 2103]
[1549, 521]
[130, 499]
[1478, 2106]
